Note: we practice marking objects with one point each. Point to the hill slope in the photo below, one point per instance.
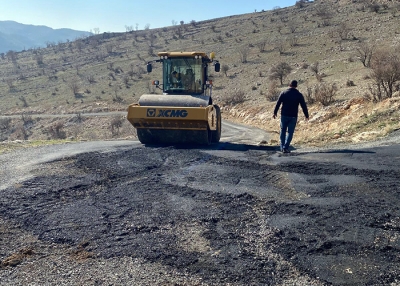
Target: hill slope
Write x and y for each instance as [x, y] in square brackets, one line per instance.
[17, 37]
[320, 41]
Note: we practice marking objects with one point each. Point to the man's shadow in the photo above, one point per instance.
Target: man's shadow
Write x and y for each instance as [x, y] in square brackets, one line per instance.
[218, 146]
[246, 147]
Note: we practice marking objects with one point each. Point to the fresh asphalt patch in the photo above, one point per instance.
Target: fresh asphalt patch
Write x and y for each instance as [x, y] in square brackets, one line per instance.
[230, 214]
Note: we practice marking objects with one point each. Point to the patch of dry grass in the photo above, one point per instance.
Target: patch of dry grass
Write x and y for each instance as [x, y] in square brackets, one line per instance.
[17, 257]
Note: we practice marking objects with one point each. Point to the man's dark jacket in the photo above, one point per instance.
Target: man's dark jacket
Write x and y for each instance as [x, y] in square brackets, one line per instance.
[290, 100]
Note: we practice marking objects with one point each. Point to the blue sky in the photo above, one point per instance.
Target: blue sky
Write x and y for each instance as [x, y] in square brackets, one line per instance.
[115, 15]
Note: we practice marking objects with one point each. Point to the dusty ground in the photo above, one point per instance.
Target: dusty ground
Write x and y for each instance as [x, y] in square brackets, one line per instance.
[230, 214]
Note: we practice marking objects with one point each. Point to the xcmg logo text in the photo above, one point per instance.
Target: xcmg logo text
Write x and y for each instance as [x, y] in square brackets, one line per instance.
[151, 112]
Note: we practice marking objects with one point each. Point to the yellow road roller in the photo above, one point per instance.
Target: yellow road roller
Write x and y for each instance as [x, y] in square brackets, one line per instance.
[184, 113]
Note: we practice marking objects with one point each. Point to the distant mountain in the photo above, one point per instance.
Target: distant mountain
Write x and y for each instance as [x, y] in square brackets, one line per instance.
[17, 37]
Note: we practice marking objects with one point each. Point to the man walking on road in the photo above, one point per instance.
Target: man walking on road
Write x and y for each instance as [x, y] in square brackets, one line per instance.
[290, 100]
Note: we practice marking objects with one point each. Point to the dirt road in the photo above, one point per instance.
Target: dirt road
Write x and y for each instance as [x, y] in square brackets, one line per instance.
[120, 213]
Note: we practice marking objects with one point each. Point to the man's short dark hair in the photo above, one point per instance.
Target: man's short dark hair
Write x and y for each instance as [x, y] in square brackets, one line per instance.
[293, 83]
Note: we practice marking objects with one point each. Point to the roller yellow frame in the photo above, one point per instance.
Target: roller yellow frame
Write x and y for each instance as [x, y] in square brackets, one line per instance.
[162, 117]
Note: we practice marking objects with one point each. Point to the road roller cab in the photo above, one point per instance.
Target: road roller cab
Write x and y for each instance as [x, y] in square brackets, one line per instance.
[184, 112]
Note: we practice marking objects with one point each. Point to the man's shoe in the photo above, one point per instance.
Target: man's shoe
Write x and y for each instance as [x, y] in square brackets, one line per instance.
[286, 150]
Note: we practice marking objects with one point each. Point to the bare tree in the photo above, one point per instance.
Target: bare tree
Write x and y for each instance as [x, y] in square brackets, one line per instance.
[283, 18]
[5, 128]
[11, 55]
[315, 68]
[261, 45]
[117, 97]
[110, 66]
[110, 47]
[324, 93]
[279, 29]
[56, 130]
[224, 69]
[385, 65]
[79, 45]
[293, 40]
[125, 79]
[91, 79]
[22, 132]
[301, 3]
[280, 71]
[273, 91]
[309, 95]
[374, 7]
[50, 44]
[115, 125]
[293, 27]
[60, 46]
[23, 100]
[343, 30]
[150, 51]
[324, 12]
[75, 87]
[235, 97]
[365, 52]
[244, 53]
[78, 68]
[131, 73]
[280, 45]
[179, 33]
[112, 76]
[140, 71]
[151, 88]
[152, 39]
[93, 42]
[39, 59]
[10, 83]
[128, 28]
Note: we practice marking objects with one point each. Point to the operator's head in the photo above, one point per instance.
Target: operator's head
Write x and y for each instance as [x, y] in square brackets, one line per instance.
[293, 83]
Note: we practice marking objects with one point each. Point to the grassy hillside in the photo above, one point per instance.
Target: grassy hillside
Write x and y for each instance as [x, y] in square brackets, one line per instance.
[320, 41]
